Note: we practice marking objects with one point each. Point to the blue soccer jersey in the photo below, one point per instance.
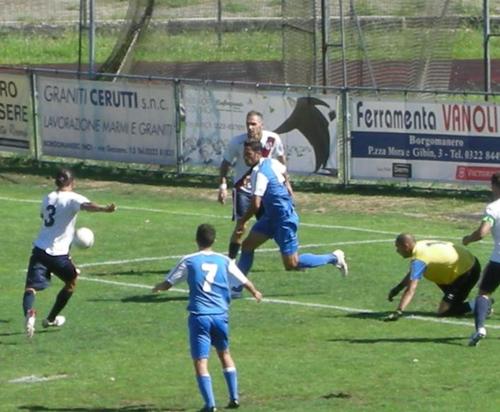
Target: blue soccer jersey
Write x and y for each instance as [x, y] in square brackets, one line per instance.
[207, 274]
[268, 182]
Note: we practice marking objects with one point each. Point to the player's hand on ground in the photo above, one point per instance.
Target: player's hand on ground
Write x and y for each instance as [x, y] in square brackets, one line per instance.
[258, 296]
[110, 208]
[391, 317]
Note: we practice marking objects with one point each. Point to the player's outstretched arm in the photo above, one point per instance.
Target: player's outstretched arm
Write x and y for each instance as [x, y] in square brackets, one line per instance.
[251, 288]
[161, 286]
[483, 229]
[398, 288]
[94, 207]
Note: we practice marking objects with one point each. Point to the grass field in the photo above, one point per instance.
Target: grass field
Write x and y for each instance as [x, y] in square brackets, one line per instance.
[316, 343]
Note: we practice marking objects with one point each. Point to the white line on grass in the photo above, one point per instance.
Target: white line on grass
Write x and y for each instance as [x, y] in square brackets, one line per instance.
[264, 250]
[296, 303]
[315, 225]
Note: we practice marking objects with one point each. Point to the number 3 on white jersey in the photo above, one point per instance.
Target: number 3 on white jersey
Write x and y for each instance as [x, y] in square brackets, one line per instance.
[210, 270]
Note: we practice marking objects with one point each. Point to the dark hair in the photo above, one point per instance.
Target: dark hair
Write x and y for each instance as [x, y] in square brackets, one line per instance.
[253, 144]
[495, 179]
[205, 235]
[255, 113]
[64, 177]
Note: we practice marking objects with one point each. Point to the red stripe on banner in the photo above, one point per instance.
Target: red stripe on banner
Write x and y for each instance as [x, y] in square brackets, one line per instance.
[475, 172]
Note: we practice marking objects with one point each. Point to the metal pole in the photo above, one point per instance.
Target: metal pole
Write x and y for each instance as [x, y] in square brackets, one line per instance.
[345, 103]
[325, 30]
[486, 48]
[91, 39]
[219, 23]
[80, 35]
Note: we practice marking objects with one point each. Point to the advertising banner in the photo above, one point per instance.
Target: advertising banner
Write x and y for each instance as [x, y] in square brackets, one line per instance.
[307, 125]
[431, 141]
[123, 122]
[15, 113]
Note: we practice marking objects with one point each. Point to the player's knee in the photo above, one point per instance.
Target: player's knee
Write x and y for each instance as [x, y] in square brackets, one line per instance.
[30, 290]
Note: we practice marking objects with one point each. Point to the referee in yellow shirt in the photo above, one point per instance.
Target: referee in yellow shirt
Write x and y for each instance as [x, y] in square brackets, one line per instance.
[451, 267]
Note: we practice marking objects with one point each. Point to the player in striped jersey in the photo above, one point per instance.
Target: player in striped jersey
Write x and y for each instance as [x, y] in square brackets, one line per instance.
[272, 147]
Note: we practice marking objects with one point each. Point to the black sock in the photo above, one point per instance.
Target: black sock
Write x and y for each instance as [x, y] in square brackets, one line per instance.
[481, 311]
[62, 298]
[234, 248]
[28, 301]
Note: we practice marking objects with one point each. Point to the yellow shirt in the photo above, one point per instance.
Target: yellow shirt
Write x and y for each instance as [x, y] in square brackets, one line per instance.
[444, 261]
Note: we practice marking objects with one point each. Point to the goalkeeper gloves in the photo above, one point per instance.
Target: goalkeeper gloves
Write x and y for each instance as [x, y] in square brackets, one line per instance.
[393, 316]
[394, 292]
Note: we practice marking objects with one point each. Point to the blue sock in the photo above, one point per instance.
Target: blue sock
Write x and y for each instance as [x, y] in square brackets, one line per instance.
[207, 393]
[309, 260]
[28, 301]
[246, 261]
[232, 382]
[481, 310]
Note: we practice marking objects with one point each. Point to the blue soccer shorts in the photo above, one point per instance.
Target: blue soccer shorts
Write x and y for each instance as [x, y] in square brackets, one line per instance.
[206, 331]
[41, 266]
[283, 231]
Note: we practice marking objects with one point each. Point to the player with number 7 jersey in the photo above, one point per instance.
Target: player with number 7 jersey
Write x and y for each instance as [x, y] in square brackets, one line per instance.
[210, 276]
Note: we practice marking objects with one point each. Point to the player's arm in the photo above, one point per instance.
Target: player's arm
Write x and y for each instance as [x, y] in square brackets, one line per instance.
[408, 294]
[417, 269]
[223, 171]
[483, 229]
[94, 207]
[165, 285]
[398, 288]
[235, 272]
[288, 185]
[251, 211]
[281, 159]
[177, 274]
[251, 288]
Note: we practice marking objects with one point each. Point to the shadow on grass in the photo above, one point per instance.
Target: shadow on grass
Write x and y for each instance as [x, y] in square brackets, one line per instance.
[154, 298]
[382, 315]
[130, 272]
[132, 408]
[449, 340]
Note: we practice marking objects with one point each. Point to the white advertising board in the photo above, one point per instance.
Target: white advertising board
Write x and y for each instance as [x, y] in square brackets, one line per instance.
[447, 141]
[307, 124]
[15, 113]
[123, 122]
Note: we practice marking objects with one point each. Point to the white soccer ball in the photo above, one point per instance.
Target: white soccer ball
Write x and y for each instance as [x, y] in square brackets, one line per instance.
[84, 238]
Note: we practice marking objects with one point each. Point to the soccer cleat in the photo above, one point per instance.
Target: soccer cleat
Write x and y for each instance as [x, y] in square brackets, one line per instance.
[208, 409]
[58, 321]
[477, 336]
[341, 262]
[30, 323]
[233, 404]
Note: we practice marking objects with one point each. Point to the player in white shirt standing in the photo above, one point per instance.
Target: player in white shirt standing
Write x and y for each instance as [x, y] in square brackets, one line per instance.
[272, 147]
[491, 275]
[50, 254]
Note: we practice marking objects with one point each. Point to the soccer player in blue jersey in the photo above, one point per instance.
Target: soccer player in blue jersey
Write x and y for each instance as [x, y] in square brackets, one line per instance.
[491, 276]
[451, 267]
[208, 274]
[271, 188]
[272, 146]
[50, 254]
